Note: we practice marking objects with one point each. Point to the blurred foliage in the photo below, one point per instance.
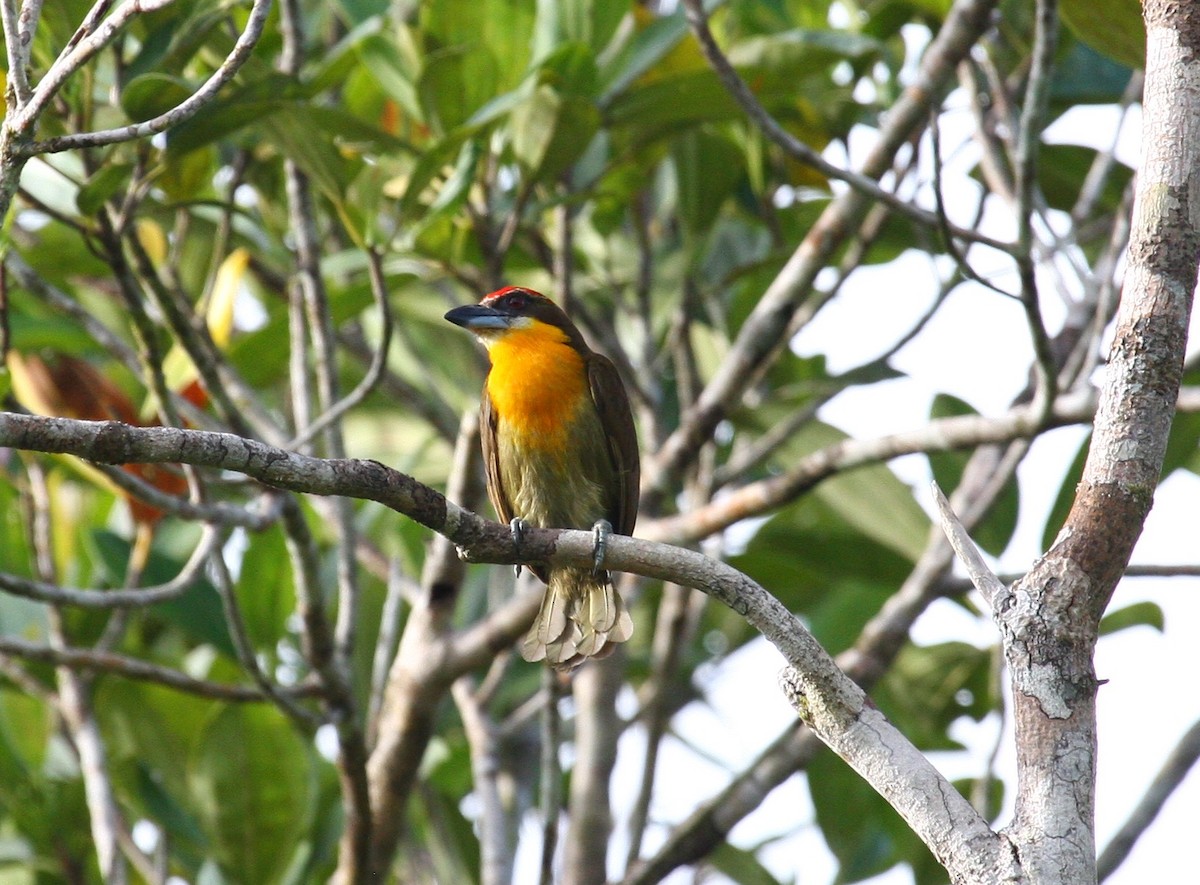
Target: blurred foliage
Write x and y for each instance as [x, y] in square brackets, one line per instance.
[462, 138]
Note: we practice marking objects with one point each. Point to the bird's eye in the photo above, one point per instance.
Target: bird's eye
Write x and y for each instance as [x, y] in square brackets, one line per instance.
[517, 302]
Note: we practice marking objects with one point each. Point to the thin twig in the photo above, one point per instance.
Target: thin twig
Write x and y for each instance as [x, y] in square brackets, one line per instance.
[74, 701]
[16, 50]
[244, 648]
[185, 110]
[788, 298]
[385, 645]
[495, 857]
[378, 360]
[798, 150]
[551, 793]
[111, 663]
[191, 572]
[1169, 777]
[90, 37]
[939, 198]
[982, 577]
[941, 435]
[216, 512]
[1029, 136]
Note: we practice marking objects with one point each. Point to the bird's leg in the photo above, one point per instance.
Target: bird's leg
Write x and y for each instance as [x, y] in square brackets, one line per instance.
[518, 527]
[600, 532]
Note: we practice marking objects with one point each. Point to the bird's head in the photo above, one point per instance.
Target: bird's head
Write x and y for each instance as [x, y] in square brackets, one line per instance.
[511, 309]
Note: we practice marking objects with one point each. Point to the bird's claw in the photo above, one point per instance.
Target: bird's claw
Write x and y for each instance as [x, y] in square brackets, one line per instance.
[600, 532]
[518, 527]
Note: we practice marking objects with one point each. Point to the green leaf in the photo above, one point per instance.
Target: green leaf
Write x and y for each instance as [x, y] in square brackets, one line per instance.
[26, 725]
[196, 612]
[1112, 27]
[872, 499]
[1062, 169]
[590, 22]
[153, 726]
[358, 11]
[551, 130]
[1147, 614]
[800, 53]
[454, 84]
[450, 838]
[149, 95]
[1183, 441]
[105, 183]
[434, 162]
[503, 27]
[667, 104]
[707, 168]
[930, 687]
[820, 567]
[252, 103]
[1084, 76]
[291, 129]
[650, 45]
[265, 589]
[862, 840]
[741, 866]
[383, 59]
[253, 782]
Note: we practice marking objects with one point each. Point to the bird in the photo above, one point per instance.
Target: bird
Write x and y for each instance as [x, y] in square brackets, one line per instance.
[560, 450]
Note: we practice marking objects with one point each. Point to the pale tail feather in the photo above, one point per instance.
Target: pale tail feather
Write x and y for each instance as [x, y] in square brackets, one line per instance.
[582, 616]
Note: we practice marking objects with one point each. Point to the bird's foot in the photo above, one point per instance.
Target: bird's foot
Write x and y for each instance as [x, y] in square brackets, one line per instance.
[518, 527]
[600, 533]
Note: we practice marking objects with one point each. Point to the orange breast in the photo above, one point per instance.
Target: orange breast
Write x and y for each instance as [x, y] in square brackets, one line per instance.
[537, 383]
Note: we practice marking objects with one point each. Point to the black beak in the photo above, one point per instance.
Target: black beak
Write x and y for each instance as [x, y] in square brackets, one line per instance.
[476, 316]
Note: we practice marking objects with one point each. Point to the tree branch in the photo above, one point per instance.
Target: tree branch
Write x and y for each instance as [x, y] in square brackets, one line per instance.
[1049, 619]
[798, 150]
[942, 435]
[830, 702]
[185, 110]
[1168, 779]
[774, 317]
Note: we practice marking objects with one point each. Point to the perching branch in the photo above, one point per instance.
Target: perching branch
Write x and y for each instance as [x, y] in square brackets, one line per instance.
[829, 701]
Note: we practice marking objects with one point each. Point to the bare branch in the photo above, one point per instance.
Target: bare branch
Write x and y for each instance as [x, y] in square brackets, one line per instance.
[176, 115]
[142, 596]
[1049, 619]
[91, 37]
[1169, 777]
[866, 662]
[103, 662]
[551, 773]
[945, 434]
[378, 359]
[832, 705]
[778, 313]
[798, 150]
[982, 577]
[17, 50]
[495, 857]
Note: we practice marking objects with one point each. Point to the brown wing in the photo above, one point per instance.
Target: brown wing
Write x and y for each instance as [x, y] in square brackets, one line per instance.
[491, 459]
[612, 404]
